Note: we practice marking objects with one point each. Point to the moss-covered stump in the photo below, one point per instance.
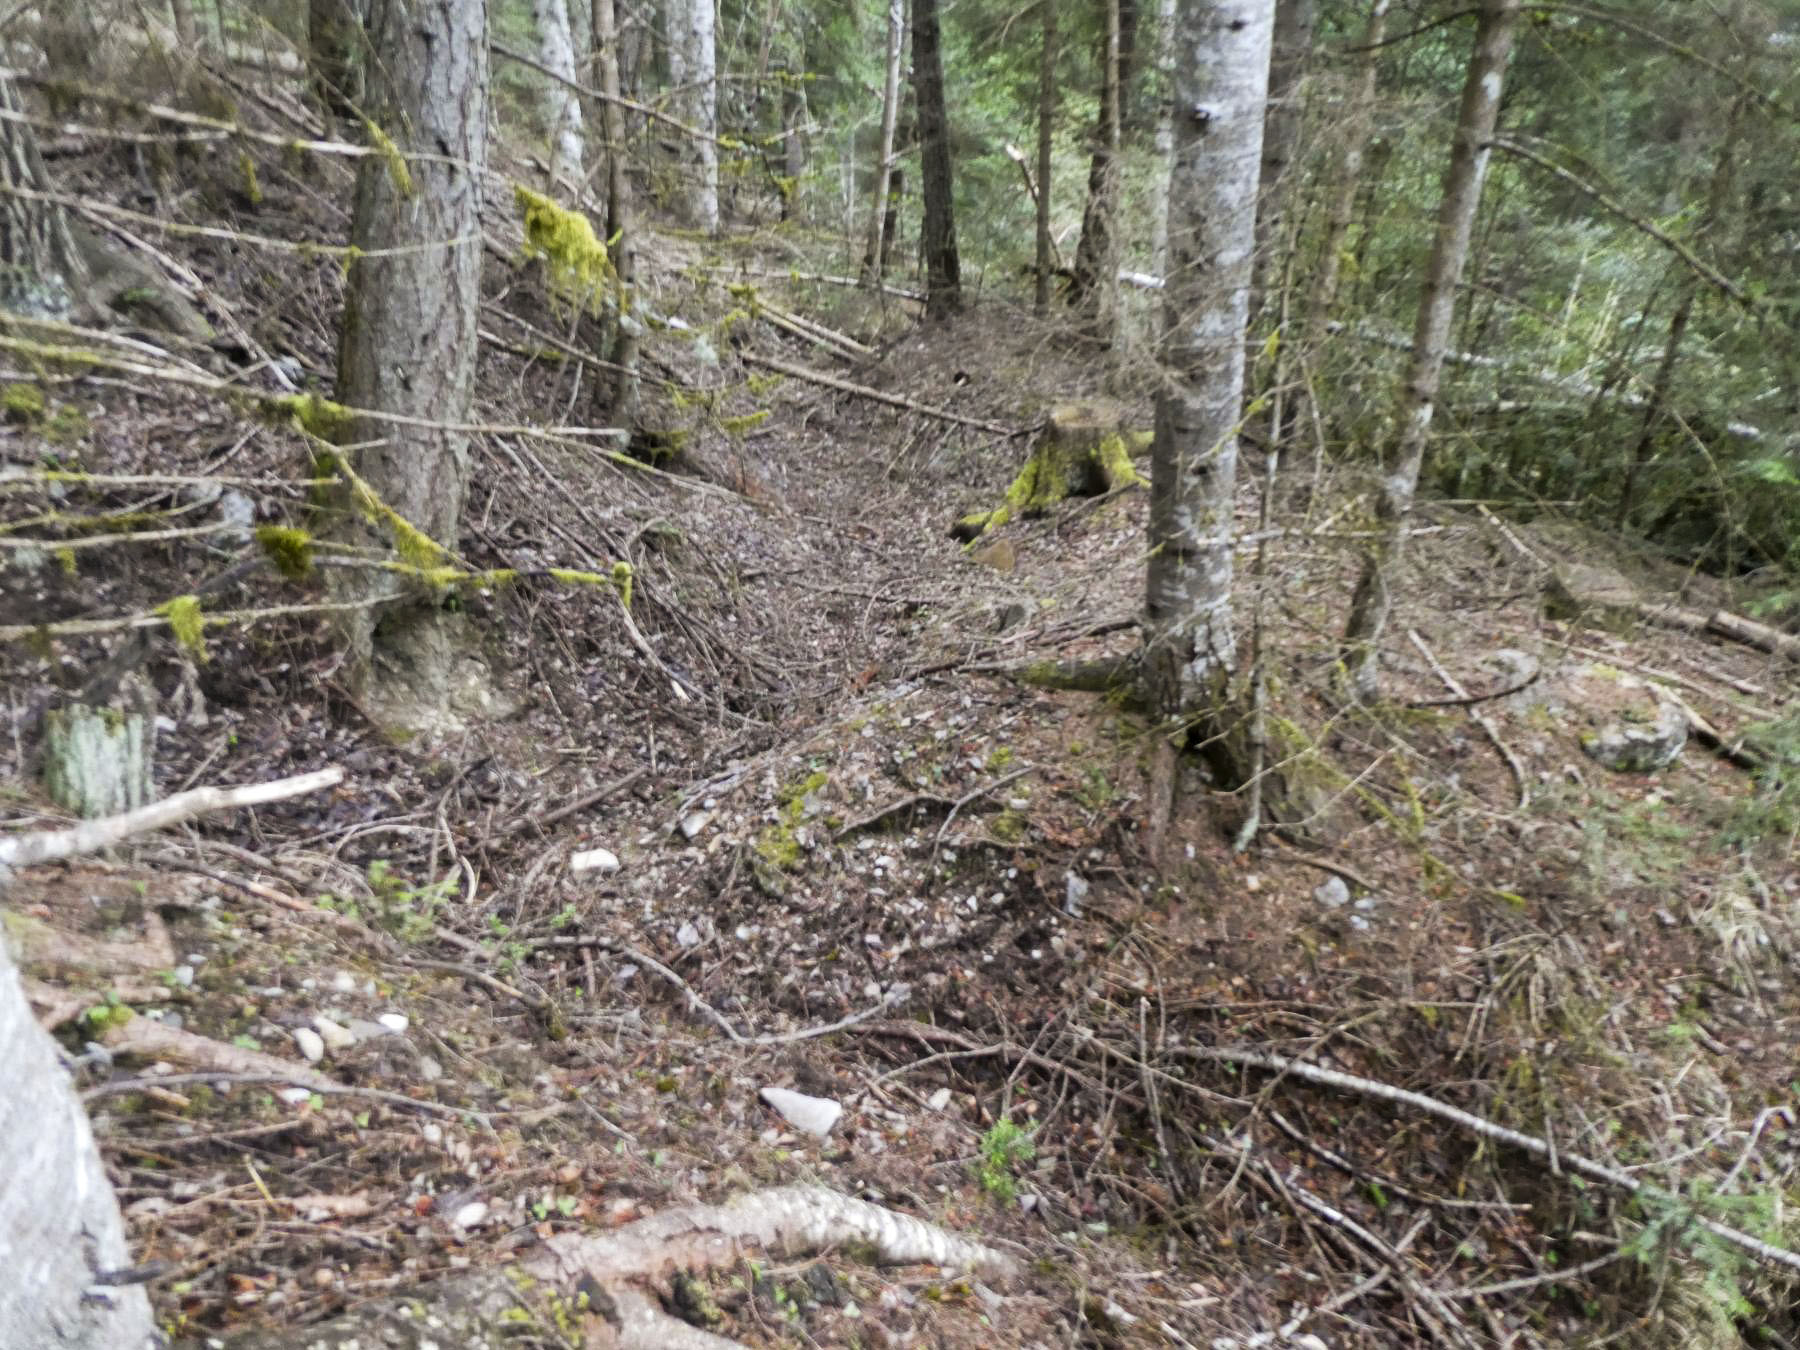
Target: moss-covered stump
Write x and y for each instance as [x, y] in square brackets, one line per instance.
[98, 761]
[1085, 450]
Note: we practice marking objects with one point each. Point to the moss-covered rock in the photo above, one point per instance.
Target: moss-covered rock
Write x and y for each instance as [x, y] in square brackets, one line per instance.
[1084, 451]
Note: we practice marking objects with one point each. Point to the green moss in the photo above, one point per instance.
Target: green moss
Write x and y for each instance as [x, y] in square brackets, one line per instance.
[1009, 826]
[1114, 458]
[186, 622]
[390, 154]
[67, 425]
[288, 549]
[737, 426]
[22, 403]
[579, 263]
[621, 580]
[778, 846]
[252, 188]
[316, 416]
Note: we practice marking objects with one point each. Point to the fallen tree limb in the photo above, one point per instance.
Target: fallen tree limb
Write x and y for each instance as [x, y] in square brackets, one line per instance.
[1723, 623]
[878, 396]
[23, 850]
[1484, 1128]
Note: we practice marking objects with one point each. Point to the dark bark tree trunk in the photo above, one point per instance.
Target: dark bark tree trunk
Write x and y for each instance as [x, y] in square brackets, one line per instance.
[618, 214]
[334, 37]
[409, 337]
[182, 12]
[1294, 23]
[1095, 280]
[1463, 179]
[1045, 144]
[943, 271]
[1221, 67]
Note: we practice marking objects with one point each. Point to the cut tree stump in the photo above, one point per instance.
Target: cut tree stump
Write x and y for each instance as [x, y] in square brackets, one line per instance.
[1085, 450]
[98, 761]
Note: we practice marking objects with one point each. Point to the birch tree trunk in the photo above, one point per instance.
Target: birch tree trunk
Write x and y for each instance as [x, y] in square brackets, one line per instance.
[1221, 70]
[1096, 271]
[937, 242]
[884, 160]
[182, 12]
[409, 335]
[1417, 399]
[1358, 119]
[1046, 130]
[1163, 139]
[561, 109]
[694, 77]
[59, 1223]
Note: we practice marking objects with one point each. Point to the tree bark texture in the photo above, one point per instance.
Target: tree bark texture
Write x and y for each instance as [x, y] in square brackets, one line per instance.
[59, 1223]
[1163, 138]
[182, 12]
[1221, 68]
[561, 109]
[937, 243]
[1046, 141]
[1294, 23]
[884, 160]
[409, 336]
[693, 75]
[334, 38]
[1357, 121]
[1096, 271]
[618, 213]
[1417, 399]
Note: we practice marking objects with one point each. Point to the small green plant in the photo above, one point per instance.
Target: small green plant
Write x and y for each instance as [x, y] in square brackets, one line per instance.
[106, 1015]
[1003, 1149]
[1772, 812]
[409, 912]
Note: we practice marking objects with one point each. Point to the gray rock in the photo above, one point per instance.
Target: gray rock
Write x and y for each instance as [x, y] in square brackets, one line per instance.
[1332, 893]
[811, 1115]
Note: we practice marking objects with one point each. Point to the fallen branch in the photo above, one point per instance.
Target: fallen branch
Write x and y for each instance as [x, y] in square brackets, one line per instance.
[89, 837]
[1482, 1128]
[1480, 719]
[878, 396]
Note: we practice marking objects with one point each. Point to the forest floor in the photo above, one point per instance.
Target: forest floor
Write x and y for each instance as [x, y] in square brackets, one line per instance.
[859, 857]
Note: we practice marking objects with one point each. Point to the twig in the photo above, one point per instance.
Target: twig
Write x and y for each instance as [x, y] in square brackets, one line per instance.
[563, 812]
[1477, 1125]
[1480, 719]
[878, 396]
[972, 795]
[165, 1080]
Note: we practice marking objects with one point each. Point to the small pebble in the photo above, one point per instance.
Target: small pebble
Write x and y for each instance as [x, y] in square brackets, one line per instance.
[311, 1044]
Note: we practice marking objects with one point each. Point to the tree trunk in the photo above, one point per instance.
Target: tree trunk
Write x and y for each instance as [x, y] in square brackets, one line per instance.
[884, 161]
[1096, 272]
[334, 36]
[618, 214]
[409, 337]
[581, 38]
[59, 1223]
[1656, 409]
[1358, 119]
[101, 761]
[51, 265]
[1164, 136]
[693, 76]
[182, 12]
[1046, 129]
[1469, 153]
[560, 111]
[1294, 22]
[1221, 70]
[943, 271]
[793, 141]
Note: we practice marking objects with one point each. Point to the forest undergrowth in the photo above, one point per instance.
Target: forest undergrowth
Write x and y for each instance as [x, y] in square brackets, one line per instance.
[1478, 1043]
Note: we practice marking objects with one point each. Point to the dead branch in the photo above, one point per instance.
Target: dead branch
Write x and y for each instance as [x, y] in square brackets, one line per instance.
[878, 396]
[23, 850]
[1480, 719]
[1482, 1127]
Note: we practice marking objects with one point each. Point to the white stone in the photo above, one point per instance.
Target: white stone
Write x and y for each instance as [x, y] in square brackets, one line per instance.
[812, 1115]
[1332, 893]
[938, 1100]
[594, 860]
[394, 1022]
[470, 1215]
[311, 1044]
[335, 1037]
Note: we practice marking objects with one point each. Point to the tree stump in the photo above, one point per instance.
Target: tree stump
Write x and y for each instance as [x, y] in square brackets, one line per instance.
[98, 761]
[1084, 451]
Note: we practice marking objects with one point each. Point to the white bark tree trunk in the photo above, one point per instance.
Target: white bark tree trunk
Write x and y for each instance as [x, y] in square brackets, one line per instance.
[1463, 179]
[561, 111]
[59, 1223]
[1221, 71]
[1162, 61]
[890, 114]
[692, 73]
